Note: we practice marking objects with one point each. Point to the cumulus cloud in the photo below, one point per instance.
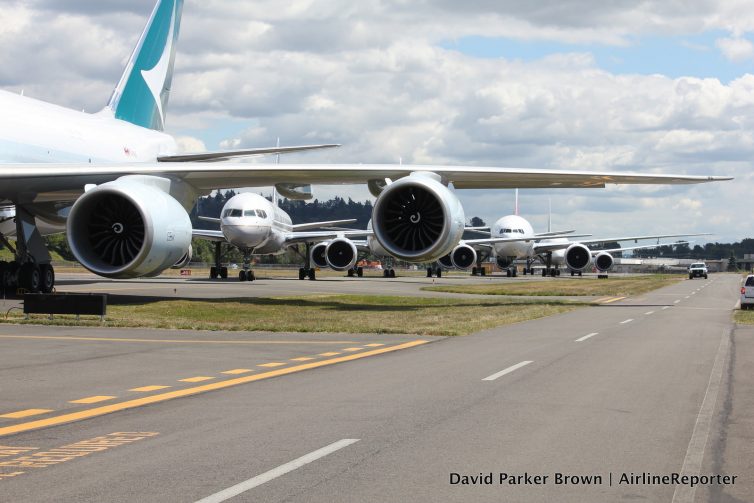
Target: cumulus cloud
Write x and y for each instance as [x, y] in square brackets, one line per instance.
[380, 78]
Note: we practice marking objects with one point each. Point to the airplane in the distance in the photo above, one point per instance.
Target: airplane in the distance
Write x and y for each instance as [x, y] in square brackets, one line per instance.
[116, 184]
[256, 226]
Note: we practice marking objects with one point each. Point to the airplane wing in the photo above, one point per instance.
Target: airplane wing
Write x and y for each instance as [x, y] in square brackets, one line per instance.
[319, 225]
[551, 234]
[210, 219]
[232, 154]
[208, 235]
[638, 238]
[293, 238]
[644, 247]
[65, 182]
[484, 241]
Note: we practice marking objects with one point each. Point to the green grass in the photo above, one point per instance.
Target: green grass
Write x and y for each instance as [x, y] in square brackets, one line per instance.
[336, 313]
[745, 317]
[587, 286]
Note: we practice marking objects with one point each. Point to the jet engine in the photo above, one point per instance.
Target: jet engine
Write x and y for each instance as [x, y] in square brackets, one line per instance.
[446, 261]
[185, 260]
[603, 261]
[318, 256]
[341, 254]
[578, 257]
[127, 229]
[463, 256]
[418, 219]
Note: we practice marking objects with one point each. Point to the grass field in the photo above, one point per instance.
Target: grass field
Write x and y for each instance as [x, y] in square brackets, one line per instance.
[587, 286]
[336, 313]
[745, 317]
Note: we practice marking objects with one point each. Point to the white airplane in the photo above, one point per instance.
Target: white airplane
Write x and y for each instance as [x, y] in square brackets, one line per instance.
[115, 183]
[256, 226]
[555, 251]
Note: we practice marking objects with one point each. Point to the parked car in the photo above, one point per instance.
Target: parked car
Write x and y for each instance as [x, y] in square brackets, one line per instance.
[747, 293]
[698, 270]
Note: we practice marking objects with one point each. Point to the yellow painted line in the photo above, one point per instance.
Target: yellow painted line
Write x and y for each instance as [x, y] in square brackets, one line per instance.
[170, 395]
[353, 349]
[374, 345]
[168, 341]
[602, 299]
[329, 354]
[302, 359]
[93, 399]
[272, 364]
[149, 388]
[196, 379]
[237, 371]
[25, 413]
[614, 299]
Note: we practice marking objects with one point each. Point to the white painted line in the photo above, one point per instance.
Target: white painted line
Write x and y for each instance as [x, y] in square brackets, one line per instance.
[688, 296]
[693, 293]
[237, 489]
[649, 312]
[507, 371]
[692, 463]
[626, 321]
[586, 337]
[666, 307]
[676, 301]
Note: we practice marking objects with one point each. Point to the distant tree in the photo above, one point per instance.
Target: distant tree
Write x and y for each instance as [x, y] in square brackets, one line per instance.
[732, 265]
[477, 222]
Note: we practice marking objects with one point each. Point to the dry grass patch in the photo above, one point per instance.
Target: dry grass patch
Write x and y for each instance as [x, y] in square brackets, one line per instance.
[337, 313]
[745, 317]
[586, 286]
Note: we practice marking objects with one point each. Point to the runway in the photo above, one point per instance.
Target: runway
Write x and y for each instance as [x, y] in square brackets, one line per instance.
[657, 384]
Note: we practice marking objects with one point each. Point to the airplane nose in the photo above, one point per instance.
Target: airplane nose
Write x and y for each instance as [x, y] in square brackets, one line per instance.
[246, 236]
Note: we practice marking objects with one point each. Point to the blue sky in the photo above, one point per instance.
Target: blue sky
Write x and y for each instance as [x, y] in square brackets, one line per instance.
[676, 56]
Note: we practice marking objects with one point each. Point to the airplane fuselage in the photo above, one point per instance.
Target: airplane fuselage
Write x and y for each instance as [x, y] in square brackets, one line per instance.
[250, 222]
[513, 226]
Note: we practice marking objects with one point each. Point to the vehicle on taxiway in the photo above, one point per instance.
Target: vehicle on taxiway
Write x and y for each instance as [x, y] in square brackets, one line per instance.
[747, 293]
[698, 270]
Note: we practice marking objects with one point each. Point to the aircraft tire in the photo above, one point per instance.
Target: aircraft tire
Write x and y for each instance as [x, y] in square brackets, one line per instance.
[47, 278]
[312, 275]
[224, 272]
[429, 272]
[360, 272]
[212, 273]
[29, 278]
[301, 274]
[241, 275]
[392, 273]
[250, 276]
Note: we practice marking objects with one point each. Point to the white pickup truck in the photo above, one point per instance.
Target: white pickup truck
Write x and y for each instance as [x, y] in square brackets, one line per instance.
[747, 293]
[698, 270]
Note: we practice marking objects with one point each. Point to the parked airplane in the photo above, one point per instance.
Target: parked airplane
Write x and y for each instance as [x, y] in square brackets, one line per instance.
[115, 183]
[256, 226]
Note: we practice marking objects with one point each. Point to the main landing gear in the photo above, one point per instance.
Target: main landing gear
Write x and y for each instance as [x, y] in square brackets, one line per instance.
[307, 271]
[434, 271]
[31, 271]
[550, 271]
[218, 270]
[511, 272]
[574, 273]
[356, 271]
[478, 271]
[246, 274]
[388, 273]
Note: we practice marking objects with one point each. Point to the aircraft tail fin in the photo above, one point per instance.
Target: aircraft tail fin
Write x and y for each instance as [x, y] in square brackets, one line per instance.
[141, 96]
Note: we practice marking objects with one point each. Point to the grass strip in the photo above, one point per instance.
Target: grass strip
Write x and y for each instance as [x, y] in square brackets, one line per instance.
[324, 313]
[745, 317]
[585, 286]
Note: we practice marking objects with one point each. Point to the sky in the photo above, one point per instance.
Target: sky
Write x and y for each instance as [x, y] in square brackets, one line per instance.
[655, 87]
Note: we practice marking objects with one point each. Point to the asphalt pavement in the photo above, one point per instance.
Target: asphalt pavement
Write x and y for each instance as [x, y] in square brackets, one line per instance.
[600, 404]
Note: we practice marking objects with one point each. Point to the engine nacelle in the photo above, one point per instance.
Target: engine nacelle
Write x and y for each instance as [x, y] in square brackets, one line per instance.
[578, 257]
[341, 254]
[185, 260]
[446, 261]
[603, 261]
[128, 229]
[318, 256]
[463, 256]
[418, 219]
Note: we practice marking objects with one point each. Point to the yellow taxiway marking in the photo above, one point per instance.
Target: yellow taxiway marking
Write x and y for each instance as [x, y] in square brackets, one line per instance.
[149, 388]
[196, 379]
[614, 299]
[329, 354]
[353, 349]
[93, 399]
[271, 364]
[165, 341]
[170, 395]
[302, 359]
[237, 371]
[374, 345]
[25, 413]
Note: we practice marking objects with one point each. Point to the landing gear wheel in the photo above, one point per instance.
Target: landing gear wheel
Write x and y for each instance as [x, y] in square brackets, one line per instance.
[392, 273]
[213, 273]
[557, 272]
[47, 278]
[508, 273]
[544, 273]
[439, 273]
[573, 273]
[29, 278]
[242, 275]
[350, 273]
[250, 276]
[473, 271]
[302, 274]
[360, 272]
[224, 272]
[429, 272]
[312, 275]
[482, 271]
[580, 273]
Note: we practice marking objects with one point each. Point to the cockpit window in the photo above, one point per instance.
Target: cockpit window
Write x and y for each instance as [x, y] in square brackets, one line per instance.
[232, 213]
[261, 214]
[249, 213]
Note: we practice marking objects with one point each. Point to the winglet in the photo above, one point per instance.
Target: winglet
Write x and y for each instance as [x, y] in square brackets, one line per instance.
[141, 96]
